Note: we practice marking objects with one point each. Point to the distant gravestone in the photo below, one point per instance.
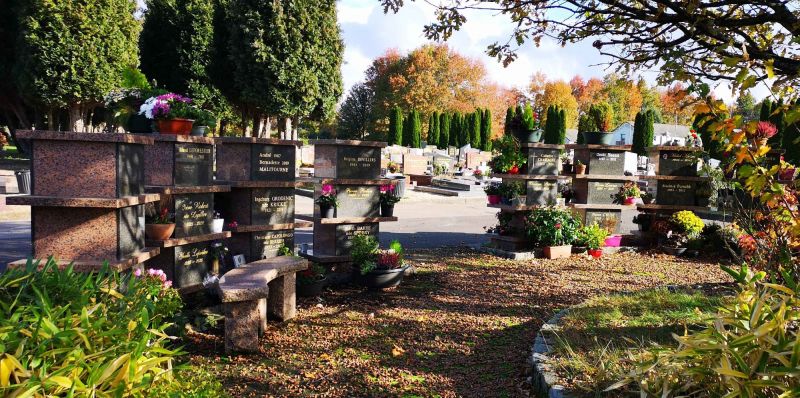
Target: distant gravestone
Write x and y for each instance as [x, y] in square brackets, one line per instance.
[677, 163]
[193, 164]
[267, 244]
[606, 162]
[543, 161]
[415, 164]
[347, 232]
[602, 192]
[679, 193]
[603, 218]
[357, 162]
[191, 263]
[272, 206]
[272, 162]
[193, 214]
[358, 200]
[542, 192]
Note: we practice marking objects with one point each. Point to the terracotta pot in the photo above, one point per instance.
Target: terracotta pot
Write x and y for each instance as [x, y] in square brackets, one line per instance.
[580, 169]
[159, 231]
[596, 253]
[493, 199]
[175, 126]
[630, 201]
[553, 252]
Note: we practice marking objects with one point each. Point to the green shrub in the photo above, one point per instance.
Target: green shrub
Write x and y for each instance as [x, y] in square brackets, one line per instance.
[751, 349]
[363, 251]
[77, 334]
[592, 236]
[552, 226]
[190, 383]
[508, 154]
[602, 114]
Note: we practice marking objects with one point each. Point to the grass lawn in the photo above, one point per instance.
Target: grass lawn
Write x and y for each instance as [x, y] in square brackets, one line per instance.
[590, 349]
[462, 326]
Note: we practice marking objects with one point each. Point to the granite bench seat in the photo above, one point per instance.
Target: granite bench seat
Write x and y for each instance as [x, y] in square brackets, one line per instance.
[252, 291]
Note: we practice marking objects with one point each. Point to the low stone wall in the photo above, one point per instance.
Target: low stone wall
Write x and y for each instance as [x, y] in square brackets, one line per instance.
[541, 377]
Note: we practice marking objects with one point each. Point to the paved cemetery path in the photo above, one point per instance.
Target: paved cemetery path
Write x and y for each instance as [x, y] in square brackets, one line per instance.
[15, 241]
[462, 326]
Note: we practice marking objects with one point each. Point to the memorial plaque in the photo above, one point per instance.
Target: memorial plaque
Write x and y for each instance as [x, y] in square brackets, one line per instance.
[677, 163]
[452, 151]
[542, 192]
[603, 218]
[346, 232]
[130, 170]
[356, 162]
[272, 206]
[130, 232]
[606, 162]
[193, 214]
[193, 164]
[358, 200]
[543, 161]
[192, 263]
[267, 244]
[602, 192]
[678, 193]
[272, 162]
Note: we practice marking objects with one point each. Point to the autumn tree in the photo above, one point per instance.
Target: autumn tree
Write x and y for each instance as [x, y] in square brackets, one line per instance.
[623, 95]
[677, 105]
[559, 93]
[444, 130]
[588, 92]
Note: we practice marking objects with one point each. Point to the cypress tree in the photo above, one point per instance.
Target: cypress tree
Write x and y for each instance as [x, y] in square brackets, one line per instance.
[550, 135]
[463, 129]
[509, 123]
[455, 129]
[486, 130]
[639, 144]
[517, 126]
[408, 129]
[395, 126]
[649, 129]
[444, 130]
[416, 130]
[562, 127]
[433, 129]
[475, 129]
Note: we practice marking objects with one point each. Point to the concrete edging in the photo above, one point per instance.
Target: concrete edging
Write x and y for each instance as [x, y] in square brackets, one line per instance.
[542, 377]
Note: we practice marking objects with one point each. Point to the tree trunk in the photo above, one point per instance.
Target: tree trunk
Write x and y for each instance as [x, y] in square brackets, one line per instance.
[77, 118]
[266, 132]
[51, 123]
[256, 120]
[286, 133]
[245, 125]
[294, 128]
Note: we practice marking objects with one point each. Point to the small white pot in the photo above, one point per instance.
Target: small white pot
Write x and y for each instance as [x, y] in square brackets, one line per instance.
[217, 225]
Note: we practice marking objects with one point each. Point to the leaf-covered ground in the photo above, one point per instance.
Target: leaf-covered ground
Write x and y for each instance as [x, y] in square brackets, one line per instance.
[462, 326]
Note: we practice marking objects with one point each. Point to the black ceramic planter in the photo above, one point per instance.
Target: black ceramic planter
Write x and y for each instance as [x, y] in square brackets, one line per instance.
[383, 279]
[387, 210]
[327, 211]
[312, 289]
[598, 138]
[140, 124]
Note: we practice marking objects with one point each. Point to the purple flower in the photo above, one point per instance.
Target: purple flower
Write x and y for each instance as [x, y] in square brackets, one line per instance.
[327, 189]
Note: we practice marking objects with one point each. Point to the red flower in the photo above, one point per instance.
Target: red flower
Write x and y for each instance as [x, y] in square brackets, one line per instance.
[558, 226]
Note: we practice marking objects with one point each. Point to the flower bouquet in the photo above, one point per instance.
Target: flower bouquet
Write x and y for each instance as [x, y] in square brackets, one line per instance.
[171, 112]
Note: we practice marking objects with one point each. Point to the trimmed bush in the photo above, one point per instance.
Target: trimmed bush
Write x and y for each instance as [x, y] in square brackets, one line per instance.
[396, 126]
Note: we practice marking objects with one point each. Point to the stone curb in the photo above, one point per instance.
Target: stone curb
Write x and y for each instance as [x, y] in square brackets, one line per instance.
[542, 377]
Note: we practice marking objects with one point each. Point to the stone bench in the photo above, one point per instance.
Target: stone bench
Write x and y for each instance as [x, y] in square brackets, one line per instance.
[252, 291]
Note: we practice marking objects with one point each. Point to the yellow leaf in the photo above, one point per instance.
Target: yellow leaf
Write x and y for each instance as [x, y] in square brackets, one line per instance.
[62, 381]
[770, 69]
[397, 351]
[731, 372]
[5, 372]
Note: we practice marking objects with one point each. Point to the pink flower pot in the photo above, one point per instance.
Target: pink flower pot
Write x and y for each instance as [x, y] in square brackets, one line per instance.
[630, 201]
[493, 199]
[614, 241]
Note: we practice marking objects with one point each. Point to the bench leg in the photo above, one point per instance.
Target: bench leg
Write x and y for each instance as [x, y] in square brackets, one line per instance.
[242, 326]
[282, 301]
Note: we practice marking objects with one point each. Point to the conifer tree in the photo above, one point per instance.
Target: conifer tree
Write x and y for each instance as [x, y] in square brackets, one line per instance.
[396, 126]
[475, 129]
[444, 130]
[416, 130]
[486, 130]
[508, 127]
[433, 129]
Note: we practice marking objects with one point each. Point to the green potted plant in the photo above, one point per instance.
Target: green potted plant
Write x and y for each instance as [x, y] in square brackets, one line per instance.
[388, 199]
[580, 168]
[392, 167]
[593, 237]
[511, 192]
[311, 281]
[532, 125]
[596, 127]
[675, 233]
[378, 269]
[160, 226]
[553, 228]
[327, 201]
[566, 164]
[171, 112]
[492, 193]
[203, 121]
[509, 156]
[628, 193]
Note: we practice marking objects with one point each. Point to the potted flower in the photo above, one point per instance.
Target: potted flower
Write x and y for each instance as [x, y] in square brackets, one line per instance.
[311, 281]
[378, 269]
[392, 167]
[628, 193]
[511, 192]
[566, 164]
[532, 126]
[218, 253]
[594, 238]
[492, 193]
[233, 225]
[388, 198]
[567, 193]
[675, 233]
[595, 125]
[161, 226]
[647, 198]
[610, 225]
[509, 155]
[218, 223]
[580, 168]
[327, 201]
[762, 132]
[478, 174]
[203, 121]
[171, 113]
[553, 228]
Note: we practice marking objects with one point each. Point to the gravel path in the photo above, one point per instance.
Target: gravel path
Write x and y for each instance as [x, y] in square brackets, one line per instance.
[462, 326]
